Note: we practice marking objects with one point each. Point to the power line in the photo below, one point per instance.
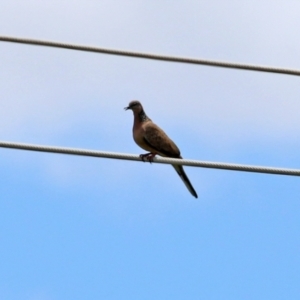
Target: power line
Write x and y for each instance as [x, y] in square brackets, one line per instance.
[162, 160]
[177, 59]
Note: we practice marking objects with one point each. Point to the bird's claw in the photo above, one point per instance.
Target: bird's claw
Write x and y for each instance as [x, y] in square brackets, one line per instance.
[148, 156]
[142, 156]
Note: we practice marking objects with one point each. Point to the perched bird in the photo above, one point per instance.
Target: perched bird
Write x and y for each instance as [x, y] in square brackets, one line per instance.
[153, 139]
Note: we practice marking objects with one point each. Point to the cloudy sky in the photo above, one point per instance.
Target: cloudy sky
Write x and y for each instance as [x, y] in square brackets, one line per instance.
[88, 228]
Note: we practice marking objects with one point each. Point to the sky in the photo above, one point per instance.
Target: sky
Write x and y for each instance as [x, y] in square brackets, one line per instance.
[92, 228]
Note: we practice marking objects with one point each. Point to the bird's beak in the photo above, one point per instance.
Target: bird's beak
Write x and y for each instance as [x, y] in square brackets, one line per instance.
[126, 108]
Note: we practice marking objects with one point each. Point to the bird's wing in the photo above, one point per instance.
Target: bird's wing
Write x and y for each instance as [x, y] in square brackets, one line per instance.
[157, 139]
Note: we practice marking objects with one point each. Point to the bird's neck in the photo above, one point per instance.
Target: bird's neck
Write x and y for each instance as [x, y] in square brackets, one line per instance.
[141, 116]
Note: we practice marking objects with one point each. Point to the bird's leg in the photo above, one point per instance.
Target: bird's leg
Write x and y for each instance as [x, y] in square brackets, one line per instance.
[148, 156]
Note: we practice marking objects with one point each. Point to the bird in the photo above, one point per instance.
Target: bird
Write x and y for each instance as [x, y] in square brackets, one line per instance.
[152, 138]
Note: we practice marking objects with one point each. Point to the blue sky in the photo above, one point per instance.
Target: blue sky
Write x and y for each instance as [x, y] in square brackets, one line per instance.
[86, 228]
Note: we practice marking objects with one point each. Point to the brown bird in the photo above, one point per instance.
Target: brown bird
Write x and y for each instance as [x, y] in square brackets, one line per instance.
[153, 139]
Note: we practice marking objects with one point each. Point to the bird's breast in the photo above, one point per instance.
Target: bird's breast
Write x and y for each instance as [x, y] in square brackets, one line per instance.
[138, 136]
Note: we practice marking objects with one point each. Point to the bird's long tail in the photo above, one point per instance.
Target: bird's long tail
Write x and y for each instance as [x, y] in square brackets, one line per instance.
[180, 171]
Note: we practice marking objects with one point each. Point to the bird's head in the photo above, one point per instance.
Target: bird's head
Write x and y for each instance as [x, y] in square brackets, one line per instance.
[135, 106]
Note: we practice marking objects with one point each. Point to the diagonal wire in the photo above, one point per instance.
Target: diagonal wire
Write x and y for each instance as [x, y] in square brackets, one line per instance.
[162, 160]
[177, 59]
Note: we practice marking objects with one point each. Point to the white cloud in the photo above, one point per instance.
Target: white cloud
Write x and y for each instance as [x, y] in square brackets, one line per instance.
[63, 97]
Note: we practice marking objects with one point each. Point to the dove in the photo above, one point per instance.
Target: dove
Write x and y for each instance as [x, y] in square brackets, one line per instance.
[153, 139]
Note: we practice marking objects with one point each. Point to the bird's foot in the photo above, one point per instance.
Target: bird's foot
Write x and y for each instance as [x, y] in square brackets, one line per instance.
[148, 156]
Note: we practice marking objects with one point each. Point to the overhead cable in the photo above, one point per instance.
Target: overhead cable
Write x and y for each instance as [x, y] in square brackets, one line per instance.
[161, 160]
[177, 59]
